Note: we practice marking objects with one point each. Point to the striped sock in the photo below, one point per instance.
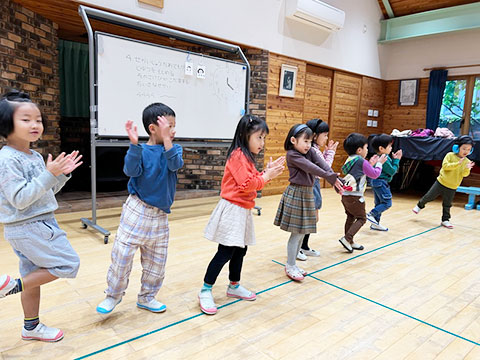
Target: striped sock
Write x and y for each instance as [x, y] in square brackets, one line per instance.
[18, 288]
[31, 323]
[206, 287]
[234, 284]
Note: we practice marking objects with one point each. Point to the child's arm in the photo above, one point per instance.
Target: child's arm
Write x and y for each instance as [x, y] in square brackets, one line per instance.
[133, 166]
[73, 161]
[19, 192]
[329, 153]
[468, 167]
[390, 167]
[373, 172]
[133, 160]
[451, 162]
[317, 167]
[174, 158]
[251, 180]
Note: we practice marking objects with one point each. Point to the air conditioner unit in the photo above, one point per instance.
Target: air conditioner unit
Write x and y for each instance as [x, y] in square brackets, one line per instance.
[315, 13]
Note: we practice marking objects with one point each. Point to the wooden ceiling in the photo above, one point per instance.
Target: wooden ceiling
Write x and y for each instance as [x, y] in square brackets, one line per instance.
[408, 7]
[70, 25]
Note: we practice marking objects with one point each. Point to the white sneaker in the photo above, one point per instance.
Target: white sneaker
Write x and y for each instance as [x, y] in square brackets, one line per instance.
[241, 293]
[346, 244]
[7, 283]
[293, 273]
[107, 305]
[447, 224]
[153, 305]
[378, 227]
[303, 272]
[416, 209]
[207, 304]
[301, 256]
[311, 252]
[42, 333]
[356, 246]
[372, 219]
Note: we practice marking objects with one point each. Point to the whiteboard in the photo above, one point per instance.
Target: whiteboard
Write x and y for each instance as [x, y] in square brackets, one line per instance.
[133, 74]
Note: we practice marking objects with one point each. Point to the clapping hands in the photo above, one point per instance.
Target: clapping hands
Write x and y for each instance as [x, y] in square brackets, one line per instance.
[332, 145]
[377, 159]
[398, 154]
[64, 164]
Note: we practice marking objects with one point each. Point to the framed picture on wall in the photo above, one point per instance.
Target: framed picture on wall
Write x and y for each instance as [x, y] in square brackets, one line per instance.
[288, 80]
[408, 92]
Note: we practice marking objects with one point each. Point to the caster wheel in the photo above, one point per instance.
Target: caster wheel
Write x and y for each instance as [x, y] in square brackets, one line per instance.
[84, 226]
[105, 240]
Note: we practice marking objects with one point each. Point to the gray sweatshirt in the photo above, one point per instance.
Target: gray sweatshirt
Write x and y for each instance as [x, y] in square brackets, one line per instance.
[27, 188]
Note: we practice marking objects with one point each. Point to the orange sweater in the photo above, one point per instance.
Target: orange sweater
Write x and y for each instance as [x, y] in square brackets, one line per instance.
[241, 181]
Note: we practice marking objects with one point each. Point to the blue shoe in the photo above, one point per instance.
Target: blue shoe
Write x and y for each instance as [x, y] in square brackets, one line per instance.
[107, 305]
[372, 219]
[152, 305]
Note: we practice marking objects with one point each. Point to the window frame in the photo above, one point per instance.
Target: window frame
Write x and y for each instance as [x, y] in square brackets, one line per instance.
[467, 107]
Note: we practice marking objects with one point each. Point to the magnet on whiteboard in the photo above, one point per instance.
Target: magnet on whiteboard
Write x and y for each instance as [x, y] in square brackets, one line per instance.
[201, 70]
[242, 112]
[188, 68]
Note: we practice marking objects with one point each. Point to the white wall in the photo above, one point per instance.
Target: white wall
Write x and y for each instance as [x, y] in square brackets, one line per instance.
[262, 23]
[407, 58]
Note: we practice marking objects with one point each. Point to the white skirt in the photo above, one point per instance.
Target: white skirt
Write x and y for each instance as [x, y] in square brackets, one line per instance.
[231, 225]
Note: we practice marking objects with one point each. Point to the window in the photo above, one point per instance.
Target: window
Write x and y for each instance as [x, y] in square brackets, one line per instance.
[451, 112]
[460, 111]
[474, 130]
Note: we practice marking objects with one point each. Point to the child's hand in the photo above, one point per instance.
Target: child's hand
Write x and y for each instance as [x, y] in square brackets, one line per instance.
[471, 164]
[57, 166]
[382, 158]
[164, 126]
[132, 132]
[373, 160]
[73, 162]
[273, 172]
[398, 155]
[279, 161]
[338, 186]
[332, 145]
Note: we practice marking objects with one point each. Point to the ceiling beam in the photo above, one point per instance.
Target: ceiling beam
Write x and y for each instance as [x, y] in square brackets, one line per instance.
[388, 8]
[439, 21]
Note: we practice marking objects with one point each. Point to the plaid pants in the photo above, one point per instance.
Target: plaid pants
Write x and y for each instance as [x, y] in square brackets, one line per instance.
[145, 227]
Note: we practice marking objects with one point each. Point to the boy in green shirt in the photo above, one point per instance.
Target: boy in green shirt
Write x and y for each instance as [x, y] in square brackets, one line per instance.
[382, 144]
[455, 167]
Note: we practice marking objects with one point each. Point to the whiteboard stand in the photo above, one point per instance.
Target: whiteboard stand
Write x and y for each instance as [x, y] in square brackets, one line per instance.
[88, 13]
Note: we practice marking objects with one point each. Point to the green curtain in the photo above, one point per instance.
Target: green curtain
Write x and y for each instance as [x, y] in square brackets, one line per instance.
[74, 87]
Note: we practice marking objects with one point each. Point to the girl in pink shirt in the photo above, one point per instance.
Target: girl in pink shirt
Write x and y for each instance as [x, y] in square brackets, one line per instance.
[231, 223]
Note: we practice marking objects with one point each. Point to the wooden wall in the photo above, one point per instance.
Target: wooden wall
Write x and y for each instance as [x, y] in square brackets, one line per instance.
[318, 88]
[340, 98]
[282, 114]
[346, 95]
[404, 117]
[373, 97]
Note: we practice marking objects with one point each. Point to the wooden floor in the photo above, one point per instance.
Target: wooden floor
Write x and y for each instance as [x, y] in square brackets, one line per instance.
[413, 293]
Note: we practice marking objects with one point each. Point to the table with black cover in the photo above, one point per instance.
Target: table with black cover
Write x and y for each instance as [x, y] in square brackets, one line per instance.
[416, 150]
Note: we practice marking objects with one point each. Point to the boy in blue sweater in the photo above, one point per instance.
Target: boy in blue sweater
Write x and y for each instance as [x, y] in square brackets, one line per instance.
[152, 168]
[382, 144]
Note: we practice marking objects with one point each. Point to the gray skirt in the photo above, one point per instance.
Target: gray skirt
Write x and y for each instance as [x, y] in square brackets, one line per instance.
[296, 211]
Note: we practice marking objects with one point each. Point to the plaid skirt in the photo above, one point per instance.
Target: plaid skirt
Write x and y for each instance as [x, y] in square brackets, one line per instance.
[296, 211]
